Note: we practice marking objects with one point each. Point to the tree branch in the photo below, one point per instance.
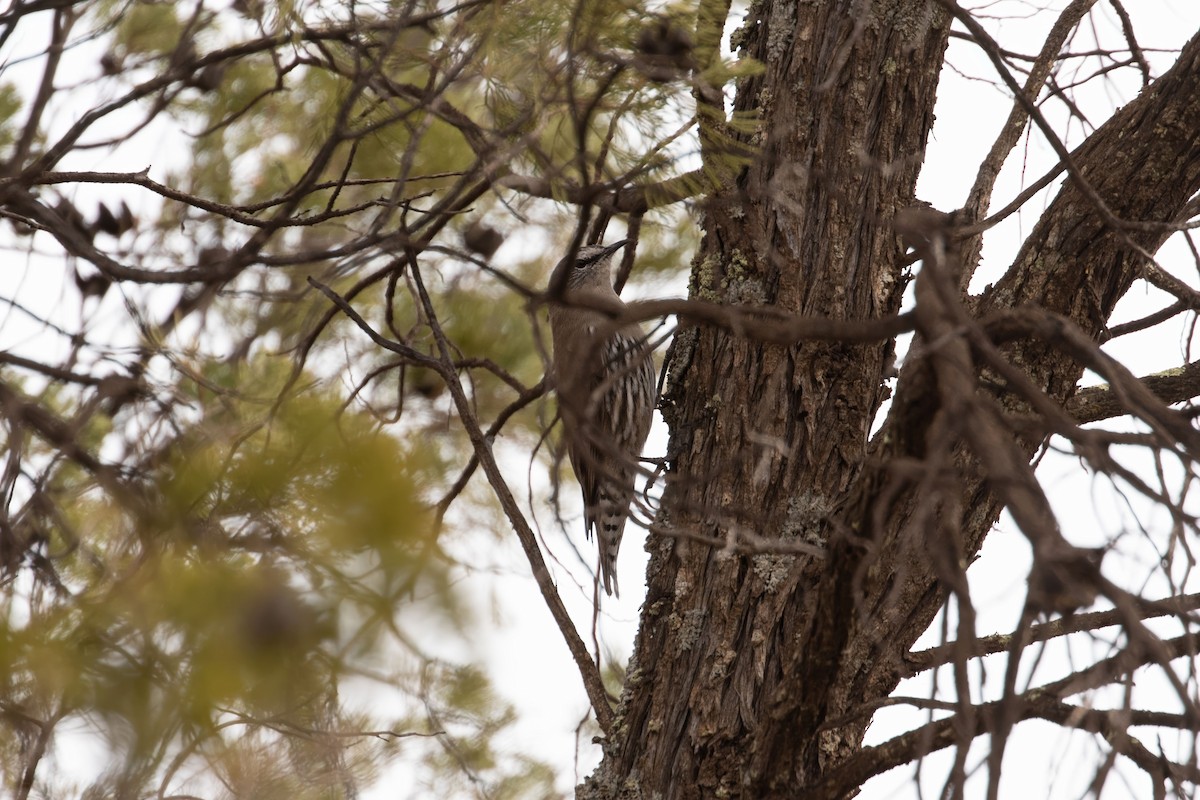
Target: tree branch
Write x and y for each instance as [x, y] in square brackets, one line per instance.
[444, 367]
[1171, 386]
[942, 733]
[1000, 642]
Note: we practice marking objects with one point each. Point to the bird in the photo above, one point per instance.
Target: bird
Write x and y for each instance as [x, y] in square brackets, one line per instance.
[605, 381]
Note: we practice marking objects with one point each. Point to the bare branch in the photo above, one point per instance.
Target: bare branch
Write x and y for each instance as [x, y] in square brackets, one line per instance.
[1076, 623]
[483, 451]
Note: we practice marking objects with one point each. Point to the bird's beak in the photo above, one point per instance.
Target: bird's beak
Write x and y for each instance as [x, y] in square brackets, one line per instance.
[615, 246]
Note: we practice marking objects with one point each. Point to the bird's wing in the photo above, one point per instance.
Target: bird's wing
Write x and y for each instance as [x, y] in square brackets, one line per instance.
[586, 460]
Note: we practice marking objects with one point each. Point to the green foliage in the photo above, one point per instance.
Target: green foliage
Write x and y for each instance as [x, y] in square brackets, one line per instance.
[10, 105]
[227, 586]
[471, 727]
[148, 28]
[484, 324]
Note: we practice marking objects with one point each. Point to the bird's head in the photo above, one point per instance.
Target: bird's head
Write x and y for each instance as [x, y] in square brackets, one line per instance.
[590, 269]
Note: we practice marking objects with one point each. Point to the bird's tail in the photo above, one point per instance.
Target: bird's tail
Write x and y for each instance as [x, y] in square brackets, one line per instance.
[609, 546]
[609, 522]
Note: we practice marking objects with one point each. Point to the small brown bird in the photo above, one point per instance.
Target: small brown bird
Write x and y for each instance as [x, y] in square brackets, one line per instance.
[606, 391]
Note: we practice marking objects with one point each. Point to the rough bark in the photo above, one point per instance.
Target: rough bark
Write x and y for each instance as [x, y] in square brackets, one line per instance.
[721, 701]
[743, 662]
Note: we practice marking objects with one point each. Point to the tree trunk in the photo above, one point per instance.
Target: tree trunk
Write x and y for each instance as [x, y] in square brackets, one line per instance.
[746, 664]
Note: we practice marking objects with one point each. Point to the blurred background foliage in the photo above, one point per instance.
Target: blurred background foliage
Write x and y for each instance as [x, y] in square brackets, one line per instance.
[224, 503]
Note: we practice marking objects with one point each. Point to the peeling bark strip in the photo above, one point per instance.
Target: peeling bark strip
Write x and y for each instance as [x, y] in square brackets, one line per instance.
[749, 670]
